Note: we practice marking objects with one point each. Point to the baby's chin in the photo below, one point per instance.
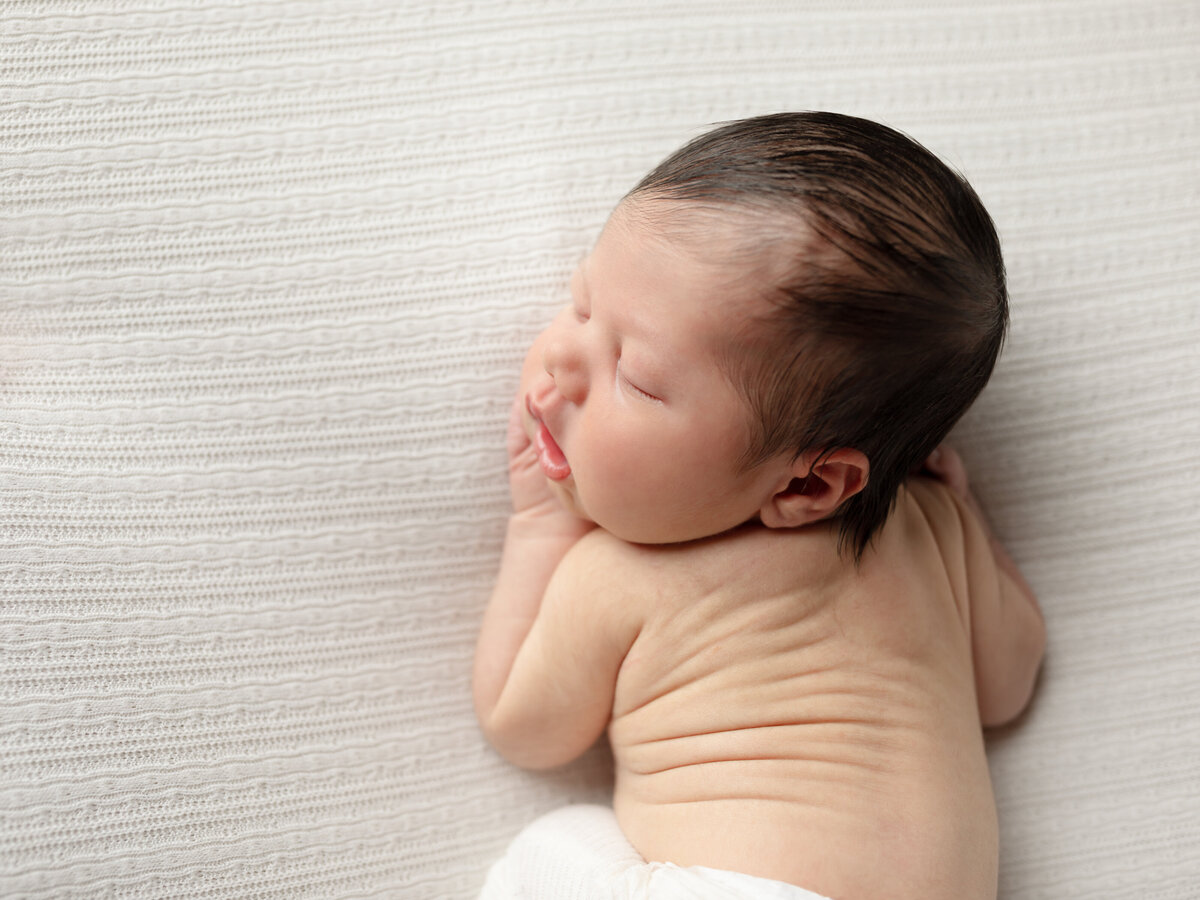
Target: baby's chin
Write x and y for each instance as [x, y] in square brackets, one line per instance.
[618, 526]
[648, 527]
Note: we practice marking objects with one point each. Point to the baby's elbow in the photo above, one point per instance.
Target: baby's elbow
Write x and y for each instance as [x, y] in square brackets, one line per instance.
[1003, 700]
[524, 746]
[533, 758]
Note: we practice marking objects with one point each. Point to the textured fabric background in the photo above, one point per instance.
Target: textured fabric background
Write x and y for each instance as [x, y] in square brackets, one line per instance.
[267, 270]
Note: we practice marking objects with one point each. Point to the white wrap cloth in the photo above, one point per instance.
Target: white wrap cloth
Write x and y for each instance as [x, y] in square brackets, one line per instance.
[579, 853]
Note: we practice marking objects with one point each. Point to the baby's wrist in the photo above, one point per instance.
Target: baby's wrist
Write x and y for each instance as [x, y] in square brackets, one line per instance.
[547, 522]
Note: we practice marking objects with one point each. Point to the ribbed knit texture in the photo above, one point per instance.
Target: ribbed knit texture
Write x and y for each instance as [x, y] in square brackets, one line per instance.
[267, 271]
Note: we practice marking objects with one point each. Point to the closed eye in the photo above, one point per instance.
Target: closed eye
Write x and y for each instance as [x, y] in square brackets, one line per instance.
[638, 392]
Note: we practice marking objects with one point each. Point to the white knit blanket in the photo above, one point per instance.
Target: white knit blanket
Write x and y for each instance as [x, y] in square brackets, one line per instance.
[267, 270]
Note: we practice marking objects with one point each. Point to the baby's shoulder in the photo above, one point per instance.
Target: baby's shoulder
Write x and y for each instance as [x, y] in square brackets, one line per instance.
[601, 549]
[933, 498]
[931, 508]
[600, 563]
[935, 534]
[719, 562]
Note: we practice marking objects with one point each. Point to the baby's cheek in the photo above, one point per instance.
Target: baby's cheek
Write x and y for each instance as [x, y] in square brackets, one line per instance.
[603, 473]
[614, 475]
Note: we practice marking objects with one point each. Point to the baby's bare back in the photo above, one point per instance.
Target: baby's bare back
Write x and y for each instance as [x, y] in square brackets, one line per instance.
[785, 715]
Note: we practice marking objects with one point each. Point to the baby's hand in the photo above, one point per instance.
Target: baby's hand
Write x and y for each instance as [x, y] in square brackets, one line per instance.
[946, 466]
[531, 493]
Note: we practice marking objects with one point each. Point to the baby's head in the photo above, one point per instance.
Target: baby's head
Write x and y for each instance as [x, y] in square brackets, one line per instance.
[842, 290]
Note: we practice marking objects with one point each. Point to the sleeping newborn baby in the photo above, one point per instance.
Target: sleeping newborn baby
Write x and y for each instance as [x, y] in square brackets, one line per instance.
[738, 547]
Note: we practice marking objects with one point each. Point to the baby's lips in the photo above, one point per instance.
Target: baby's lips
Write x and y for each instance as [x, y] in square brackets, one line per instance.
[550, 455]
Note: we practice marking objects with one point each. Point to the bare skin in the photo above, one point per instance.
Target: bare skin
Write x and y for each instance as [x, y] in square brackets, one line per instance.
[773, 709]
[776, 712]
[783, 715]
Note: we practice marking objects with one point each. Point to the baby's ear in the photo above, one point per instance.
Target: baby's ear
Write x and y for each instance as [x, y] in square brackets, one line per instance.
[814, 486]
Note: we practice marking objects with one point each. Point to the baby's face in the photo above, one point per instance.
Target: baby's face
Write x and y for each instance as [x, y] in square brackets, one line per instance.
[638, 428]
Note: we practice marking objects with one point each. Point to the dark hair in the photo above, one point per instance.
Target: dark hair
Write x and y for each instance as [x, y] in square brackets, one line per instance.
[893, 308]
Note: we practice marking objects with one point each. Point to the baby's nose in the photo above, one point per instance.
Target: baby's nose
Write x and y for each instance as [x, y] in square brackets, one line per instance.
[564, 361]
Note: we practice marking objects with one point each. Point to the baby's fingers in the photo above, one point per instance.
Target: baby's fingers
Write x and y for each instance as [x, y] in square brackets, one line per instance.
[517, 440]
[526, 481]
[947, 466]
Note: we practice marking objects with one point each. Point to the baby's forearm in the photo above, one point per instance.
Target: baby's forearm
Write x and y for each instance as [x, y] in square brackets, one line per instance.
[533, 547]
[946, 466]
[1003, 558]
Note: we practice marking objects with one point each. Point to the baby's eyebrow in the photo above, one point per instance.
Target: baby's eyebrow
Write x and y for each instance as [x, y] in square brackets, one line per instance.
[628, 328]
[654, 353]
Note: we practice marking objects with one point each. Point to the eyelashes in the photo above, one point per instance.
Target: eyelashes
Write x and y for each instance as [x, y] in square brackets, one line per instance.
[637, 391]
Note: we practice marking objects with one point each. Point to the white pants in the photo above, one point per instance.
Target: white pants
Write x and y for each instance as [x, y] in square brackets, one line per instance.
[579, 853]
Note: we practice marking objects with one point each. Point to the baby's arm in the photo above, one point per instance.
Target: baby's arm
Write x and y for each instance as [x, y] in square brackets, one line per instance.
[555, 698]
[545, 662]
[1008, 633]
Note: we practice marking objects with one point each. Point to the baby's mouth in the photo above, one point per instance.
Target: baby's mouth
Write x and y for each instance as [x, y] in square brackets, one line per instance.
[550, 456]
